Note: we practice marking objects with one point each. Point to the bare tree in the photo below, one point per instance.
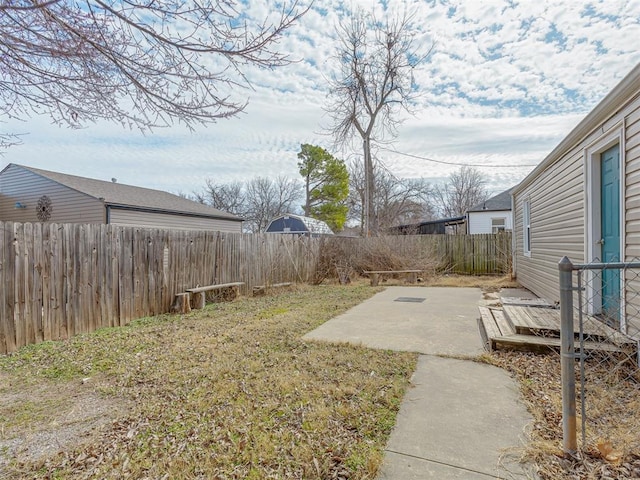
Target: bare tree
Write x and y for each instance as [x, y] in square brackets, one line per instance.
[402, 201]
[258, 200]
[397, 201]
[465, 188]
[142, 64]
[374, 83]
[228, 197]
[267, 199]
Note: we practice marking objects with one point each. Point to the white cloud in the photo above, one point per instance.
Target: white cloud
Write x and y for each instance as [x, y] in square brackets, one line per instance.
[506, 82]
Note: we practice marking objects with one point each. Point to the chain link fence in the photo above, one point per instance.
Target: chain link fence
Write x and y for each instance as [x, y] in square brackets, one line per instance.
[600, 329]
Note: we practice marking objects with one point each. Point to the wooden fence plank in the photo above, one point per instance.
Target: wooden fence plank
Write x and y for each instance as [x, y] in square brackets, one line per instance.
[4, 309]
[18, 310]
[37, 271]
[57, 281]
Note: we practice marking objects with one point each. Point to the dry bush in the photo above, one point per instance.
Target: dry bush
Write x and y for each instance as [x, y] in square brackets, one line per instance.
[395, 253]
[343, 258]
[335, 260]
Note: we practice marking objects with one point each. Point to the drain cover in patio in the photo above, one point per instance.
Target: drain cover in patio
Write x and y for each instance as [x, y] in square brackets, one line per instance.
[410, 299]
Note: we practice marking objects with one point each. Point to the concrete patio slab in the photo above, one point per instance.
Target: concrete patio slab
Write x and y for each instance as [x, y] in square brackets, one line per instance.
[443, 324]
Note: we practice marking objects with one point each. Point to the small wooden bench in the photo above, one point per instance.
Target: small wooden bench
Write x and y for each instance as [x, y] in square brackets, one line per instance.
[197, 296]
[374, 275]
[259, 290]
[231, 291]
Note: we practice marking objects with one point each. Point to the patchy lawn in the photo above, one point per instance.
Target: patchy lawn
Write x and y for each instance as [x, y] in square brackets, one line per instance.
[228, 392]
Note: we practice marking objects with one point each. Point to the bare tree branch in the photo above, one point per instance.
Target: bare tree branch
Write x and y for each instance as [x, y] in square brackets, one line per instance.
[258, 200]
[465, 189]
[397, 201]
[143, 64]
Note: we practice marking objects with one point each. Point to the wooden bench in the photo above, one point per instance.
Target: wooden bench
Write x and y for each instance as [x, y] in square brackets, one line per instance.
[259, 290]
[374, 275]
[197, 296]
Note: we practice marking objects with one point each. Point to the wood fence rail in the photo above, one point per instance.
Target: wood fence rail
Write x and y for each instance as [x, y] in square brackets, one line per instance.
[59, 280]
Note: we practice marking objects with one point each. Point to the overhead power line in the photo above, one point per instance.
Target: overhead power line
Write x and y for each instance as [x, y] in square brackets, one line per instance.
[459, 164]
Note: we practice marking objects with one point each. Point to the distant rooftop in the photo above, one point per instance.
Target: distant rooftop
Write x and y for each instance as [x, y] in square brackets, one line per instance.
[502, 201]
[120, 194]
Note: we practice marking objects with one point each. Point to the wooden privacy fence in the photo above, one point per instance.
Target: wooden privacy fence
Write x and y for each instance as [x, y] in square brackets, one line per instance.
[478, 254]
[60, 280]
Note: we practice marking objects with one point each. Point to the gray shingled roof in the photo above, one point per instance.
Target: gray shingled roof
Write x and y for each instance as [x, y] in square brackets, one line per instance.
[130, 196]
[502, 201]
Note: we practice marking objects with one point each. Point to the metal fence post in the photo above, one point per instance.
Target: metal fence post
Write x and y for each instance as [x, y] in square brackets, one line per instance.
[567, 358]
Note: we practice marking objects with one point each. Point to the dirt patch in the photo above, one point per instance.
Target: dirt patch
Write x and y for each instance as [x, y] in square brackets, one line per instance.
[41, 420]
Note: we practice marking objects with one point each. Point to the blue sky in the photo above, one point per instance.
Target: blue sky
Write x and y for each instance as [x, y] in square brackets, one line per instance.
[507, 80]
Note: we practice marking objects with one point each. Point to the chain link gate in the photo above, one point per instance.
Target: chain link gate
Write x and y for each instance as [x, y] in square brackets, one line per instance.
[600, 327]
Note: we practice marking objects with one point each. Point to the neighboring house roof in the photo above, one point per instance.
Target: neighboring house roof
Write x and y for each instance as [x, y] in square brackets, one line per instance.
[502, 201]
[121, 195]
[626, 89]
[313, 225]
[431, 226]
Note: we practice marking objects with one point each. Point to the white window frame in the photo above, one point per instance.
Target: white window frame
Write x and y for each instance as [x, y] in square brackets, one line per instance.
[500, 227]
[526, 227]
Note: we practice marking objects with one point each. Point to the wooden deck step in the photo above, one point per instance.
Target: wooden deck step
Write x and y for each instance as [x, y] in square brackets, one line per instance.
[520, 329]
[533, 342]
[493, 324]
[504, 324]
[525, 302]
[546, 321]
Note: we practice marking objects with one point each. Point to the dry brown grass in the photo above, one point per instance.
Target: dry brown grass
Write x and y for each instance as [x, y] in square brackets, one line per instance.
[228, 392]
[612, 449]
[488, 283]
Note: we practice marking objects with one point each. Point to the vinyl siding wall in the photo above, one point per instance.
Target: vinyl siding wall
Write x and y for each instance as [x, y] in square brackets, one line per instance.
[164, 220]
[632, 212]
[68, 206]
[558, 214]
[481, 222]
[557, 225]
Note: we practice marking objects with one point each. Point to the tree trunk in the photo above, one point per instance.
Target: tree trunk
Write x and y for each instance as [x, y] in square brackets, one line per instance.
[370, 227]
[307, 201]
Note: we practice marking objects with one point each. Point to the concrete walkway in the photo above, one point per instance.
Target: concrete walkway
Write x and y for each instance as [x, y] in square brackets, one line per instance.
[459, 419]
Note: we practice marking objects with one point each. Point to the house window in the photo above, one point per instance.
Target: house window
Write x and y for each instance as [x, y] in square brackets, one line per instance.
[526, 227]
[497, 225]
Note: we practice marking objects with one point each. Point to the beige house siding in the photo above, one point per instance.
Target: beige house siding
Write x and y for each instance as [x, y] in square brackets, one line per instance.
[138, 218]
[632, 184]
[632, 212]
[68, 206]
[557, 225]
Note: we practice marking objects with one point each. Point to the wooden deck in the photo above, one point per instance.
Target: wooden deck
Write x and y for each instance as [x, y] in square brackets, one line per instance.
[535, 328]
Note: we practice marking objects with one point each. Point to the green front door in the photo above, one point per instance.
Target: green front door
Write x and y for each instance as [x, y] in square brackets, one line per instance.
[610, 228]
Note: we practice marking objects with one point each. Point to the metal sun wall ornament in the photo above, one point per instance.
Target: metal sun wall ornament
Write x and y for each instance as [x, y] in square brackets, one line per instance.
[44, 208]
